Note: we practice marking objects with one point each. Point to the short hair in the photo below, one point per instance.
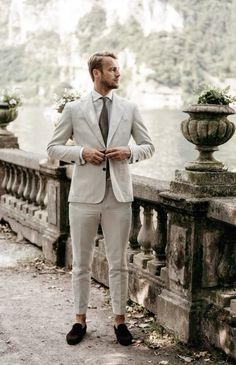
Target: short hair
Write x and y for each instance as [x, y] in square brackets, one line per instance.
[95, 61]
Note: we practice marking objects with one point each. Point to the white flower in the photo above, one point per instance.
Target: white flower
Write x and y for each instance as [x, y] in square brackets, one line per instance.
[68, 95]
[12, 102]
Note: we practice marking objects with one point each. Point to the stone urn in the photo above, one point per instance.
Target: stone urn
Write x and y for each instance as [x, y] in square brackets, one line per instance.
[207, 127]
[7, 115]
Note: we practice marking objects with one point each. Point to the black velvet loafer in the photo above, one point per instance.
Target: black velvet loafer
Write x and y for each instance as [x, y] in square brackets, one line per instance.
[76, 334]
[123, 335]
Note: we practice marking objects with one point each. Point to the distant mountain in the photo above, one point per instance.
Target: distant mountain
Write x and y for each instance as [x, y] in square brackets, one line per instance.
[165, 47]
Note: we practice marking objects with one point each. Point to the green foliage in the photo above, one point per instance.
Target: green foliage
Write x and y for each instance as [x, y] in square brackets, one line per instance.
[214, 95]
[204, 48]
[90, 30]
[12, 97]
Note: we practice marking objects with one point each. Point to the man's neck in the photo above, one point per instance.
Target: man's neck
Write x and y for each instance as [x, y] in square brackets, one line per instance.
[102, 91]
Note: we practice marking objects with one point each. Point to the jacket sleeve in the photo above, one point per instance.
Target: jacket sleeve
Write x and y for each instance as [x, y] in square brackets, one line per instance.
[57, 147]
[143, 147]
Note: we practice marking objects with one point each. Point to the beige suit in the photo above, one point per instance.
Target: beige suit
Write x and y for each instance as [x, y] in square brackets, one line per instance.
[79, 119]
[95, 200]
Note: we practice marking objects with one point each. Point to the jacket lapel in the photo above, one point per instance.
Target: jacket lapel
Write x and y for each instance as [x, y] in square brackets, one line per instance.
[90, 117]
[116, 116]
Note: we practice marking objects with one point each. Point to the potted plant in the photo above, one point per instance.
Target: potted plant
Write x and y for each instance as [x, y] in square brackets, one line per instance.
[60, 100]
[208, 127]
[10, 100]
[66, 96]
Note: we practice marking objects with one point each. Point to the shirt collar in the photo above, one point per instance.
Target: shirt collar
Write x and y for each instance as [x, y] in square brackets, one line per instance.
[96, 95]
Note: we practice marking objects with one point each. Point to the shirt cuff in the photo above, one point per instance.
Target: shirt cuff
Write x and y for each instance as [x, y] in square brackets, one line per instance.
[130, 159]
[81, 156]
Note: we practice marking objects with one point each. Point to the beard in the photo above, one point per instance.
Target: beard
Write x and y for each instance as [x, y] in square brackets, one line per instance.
[109, 85]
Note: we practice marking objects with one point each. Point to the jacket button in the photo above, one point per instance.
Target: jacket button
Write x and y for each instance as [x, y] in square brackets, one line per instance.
[104, 168]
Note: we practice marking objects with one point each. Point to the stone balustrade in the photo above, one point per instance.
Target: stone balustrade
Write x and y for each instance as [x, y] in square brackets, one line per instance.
[25, 186]
[23, 194]
[182, 248]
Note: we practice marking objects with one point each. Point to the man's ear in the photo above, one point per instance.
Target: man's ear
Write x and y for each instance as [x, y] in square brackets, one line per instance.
[96, 72]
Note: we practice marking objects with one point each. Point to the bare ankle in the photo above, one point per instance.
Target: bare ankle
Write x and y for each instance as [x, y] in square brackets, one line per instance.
[119, 319]
[80, 318]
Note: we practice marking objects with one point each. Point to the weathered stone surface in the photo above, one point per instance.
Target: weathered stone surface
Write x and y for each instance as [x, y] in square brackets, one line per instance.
[177, 254]
[141, 260]
[148, 188]
[68, 253]
[204, 184]
[53, 245]
[207, 127]
[9, 141]
[52, 203]
[223, 209]
[22, 158]
[223, 299]
[219, 327]
[233, 305]
[179, 316]
[211, 239]
[144, 288]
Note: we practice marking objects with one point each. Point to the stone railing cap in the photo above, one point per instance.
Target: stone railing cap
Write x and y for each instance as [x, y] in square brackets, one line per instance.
[209, 108]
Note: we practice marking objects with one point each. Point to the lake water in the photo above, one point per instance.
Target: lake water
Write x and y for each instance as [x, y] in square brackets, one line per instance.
[34, 128]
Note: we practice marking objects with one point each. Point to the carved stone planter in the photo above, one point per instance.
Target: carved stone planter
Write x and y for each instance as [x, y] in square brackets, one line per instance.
[207, 128]
[7, 115]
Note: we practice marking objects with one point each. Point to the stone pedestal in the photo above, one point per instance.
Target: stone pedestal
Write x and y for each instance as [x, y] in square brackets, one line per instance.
[195, 250]
[9, 141]
[201, 184]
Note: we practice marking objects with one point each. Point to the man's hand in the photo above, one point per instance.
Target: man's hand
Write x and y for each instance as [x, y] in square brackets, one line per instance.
[93, 156]
[118, 153]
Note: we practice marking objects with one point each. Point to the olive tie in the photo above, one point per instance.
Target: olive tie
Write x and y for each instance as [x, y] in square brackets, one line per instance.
[103, 120]
[104, 126]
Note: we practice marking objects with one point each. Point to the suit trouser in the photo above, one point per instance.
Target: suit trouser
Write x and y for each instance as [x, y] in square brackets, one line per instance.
[115, 219]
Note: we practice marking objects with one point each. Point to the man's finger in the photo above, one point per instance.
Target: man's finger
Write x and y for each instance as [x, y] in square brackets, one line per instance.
[112, 154]
[99, 158]
[101, 154]
[109, 150]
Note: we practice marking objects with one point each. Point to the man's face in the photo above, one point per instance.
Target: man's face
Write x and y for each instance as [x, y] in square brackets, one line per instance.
[109, 75]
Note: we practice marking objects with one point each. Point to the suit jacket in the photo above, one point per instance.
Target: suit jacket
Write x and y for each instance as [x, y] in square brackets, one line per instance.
[80, 121]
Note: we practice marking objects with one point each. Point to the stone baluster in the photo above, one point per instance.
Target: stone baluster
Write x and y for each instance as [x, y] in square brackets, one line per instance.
[40, 195]
[22, 183]
[145, 238]
[26, 192]
[10, 180]
[15, 182]
[159, 243]
[135, 225]
[33, 193]
[45, 200]
[6, 176]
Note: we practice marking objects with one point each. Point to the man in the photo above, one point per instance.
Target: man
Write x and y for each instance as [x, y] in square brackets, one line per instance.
[101, 189]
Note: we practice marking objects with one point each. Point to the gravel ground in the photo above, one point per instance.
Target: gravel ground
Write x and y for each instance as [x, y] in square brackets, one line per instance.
[36, 312]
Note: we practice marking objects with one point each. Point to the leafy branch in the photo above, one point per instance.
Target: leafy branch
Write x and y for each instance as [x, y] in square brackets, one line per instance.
[214, 95]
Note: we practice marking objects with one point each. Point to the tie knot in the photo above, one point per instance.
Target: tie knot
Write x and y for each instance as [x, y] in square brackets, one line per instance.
[104, 99]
